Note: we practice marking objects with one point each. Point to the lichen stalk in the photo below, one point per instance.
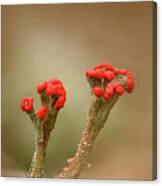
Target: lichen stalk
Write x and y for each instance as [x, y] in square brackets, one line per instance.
[53, 97]
[107, 84]
[97, 116]
[43, 133]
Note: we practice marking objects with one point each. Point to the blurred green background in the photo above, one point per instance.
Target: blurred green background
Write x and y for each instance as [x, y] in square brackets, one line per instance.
[41, 42]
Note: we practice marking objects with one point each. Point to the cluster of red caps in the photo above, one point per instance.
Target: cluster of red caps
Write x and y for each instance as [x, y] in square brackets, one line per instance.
[51, 88]
[110, 77]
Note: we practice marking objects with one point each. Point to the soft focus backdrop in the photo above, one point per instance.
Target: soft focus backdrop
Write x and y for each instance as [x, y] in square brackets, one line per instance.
[40, 42]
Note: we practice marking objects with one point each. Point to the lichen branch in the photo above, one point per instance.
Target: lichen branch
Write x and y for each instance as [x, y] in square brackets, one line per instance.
[96, 118]
[53, 97]
[43, 133]
[107, 84]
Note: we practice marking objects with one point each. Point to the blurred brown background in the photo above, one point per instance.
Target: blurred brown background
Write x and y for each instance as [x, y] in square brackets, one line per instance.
[40, 42]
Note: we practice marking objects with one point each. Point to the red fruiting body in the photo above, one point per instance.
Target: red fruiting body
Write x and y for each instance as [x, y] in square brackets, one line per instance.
[104, 72]
[122, 71]
[41, 87]
[99, 66]
[109, 75]
[119, 88]
[56, 81]
[130, 84]
[99, 74]
[60, 91]
[98, 91]
[55, 87]
[110, 89]
[60, 103]
[110, 67]
[51, 90]
[90, 73]
[49, 84]
[106, 96]
[42, 112]
[62, 99]
[129, 75]
[27, 104]
[107, 66]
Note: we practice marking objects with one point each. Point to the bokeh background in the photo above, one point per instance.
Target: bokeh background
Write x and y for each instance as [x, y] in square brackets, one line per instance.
[40, 42]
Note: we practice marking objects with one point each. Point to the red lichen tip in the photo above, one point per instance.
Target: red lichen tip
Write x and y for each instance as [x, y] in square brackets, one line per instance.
[130, 84]
[55, 87]
[104, 65]
[119, 89]
[90, 73]
[121, 71]
[101, 71]
[60, 103]
[106, 96]
[41, 87]
[98, 91]
[111, 77]
[27, 104]
[52, 88]
[42, 112]
[56, 82]
[99, 74]
[110, 89]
